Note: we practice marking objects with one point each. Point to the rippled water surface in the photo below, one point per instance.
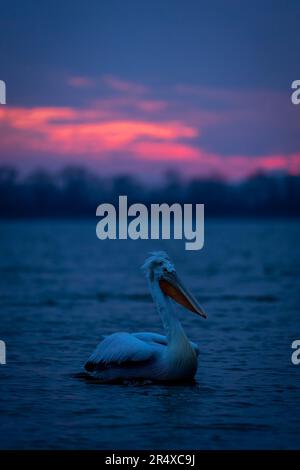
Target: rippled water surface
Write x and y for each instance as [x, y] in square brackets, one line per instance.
[61, 289]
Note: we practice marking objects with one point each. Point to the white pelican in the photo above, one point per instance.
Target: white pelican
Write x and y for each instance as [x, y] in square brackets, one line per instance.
[151, 356]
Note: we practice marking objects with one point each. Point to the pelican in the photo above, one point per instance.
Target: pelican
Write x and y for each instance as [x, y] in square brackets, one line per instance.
[151, 356]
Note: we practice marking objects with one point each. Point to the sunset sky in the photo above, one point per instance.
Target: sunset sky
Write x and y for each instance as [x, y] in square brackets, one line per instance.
[143, 87]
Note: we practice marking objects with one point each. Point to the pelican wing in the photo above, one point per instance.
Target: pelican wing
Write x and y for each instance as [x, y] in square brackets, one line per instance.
[151, 337]
[117, 349]
[160, 339]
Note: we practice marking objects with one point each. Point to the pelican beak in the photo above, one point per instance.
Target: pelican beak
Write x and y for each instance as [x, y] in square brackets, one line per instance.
[173, 287]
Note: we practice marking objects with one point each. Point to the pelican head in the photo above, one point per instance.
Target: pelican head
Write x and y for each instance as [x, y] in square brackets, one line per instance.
[160, 269]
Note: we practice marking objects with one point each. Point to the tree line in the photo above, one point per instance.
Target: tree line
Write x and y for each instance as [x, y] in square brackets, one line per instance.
[76, 192]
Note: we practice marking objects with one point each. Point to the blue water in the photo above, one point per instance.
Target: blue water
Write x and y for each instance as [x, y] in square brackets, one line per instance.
[61, 289]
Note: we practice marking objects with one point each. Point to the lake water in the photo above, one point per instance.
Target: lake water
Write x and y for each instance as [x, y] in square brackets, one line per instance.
[61, 289]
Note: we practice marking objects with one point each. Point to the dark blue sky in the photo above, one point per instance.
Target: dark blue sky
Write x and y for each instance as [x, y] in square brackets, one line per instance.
[214, 43]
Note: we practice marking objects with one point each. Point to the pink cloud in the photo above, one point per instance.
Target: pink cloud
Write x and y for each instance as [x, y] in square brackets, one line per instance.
[165, 151]
[240, 166]
[120, 85]
[110, 81]
[140, 131]
[80, 82]
[70, 131]
[125, 105]
[151, 106]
